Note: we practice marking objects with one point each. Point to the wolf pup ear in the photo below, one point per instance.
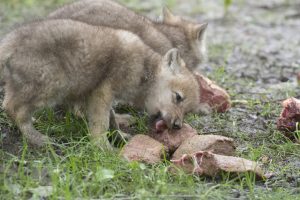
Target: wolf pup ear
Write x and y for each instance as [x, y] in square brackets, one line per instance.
[168, 17]
[199, 31]
[173, 60]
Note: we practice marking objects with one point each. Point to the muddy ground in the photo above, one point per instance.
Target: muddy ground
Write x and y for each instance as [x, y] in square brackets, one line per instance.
[257, 43]
[254, 53]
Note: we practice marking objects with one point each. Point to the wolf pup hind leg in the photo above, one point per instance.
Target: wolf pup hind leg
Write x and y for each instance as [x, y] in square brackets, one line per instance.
[22, 113]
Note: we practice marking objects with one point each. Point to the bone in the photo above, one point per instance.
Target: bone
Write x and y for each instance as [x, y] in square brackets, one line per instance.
[214, 143]
[212, 97]
[144, 149]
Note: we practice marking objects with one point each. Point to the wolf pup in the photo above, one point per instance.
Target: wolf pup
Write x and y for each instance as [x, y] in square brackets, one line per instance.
[172, 32]
[63, 61]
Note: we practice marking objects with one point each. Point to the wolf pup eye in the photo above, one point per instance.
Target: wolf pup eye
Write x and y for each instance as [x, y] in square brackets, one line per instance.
[178, 97]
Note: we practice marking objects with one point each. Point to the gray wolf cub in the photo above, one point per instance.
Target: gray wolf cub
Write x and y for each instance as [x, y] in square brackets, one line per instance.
[53, 62]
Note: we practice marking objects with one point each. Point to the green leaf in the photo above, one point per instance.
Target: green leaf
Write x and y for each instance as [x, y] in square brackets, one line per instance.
[104, 174]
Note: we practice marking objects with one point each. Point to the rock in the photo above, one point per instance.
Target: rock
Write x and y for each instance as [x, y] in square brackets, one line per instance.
[214, 143]
[124, 120]
[172, 139]
[143, 148]
[212, 96]
[289, 116]
[209, 164]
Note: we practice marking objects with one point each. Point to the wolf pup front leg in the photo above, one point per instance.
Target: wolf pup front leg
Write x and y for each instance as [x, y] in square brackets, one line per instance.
[98, 112]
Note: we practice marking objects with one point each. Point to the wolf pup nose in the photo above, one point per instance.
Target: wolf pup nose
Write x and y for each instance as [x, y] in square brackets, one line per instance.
[53, 62]
[177, 124]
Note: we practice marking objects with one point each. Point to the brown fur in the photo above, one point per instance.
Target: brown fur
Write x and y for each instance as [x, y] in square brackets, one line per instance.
[172, 32]
[64, 61]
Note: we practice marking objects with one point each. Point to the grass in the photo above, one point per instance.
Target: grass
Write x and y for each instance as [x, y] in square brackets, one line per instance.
[297, 132]
[80, 170]
[75, 169]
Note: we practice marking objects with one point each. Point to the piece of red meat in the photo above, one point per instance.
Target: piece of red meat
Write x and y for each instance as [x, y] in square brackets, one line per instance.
[204, 163]
[144, 149]
[212, 95]
[172, 139]
[289, 116]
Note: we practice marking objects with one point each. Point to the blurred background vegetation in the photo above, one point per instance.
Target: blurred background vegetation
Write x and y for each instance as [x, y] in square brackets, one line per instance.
[19, 11]
[15, 10]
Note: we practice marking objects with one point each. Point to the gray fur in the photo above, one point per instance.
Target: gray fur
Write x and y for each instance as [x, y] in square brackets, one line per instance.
[67, 62]
[173, 32]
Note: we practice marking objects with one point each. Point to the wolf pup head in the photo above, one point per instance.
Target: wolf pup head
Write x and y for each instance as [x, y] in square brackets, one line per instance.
[195, 34]
[174, 93]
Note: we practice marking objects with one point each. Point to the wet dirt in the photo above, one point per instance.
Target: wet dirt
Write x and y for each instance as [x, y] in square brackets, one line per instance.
[253, 52]
[254, 48]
